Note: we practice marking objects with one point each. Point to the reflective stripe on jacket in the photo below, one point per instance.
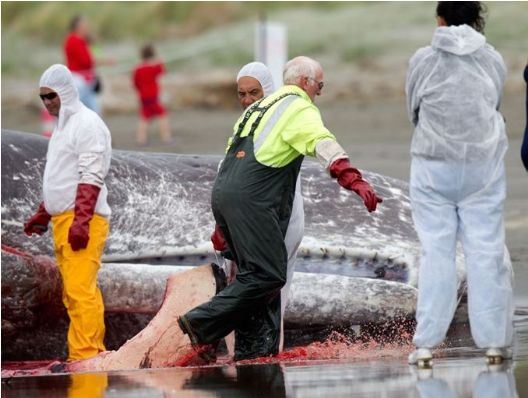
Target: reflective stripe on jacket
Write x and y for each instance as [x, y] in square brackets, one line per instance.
[292, 127]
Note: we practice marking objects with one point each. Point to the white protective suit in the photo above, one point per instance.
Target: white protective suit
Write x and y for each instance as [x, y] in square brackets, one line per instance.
[79, 150]
[458, 184]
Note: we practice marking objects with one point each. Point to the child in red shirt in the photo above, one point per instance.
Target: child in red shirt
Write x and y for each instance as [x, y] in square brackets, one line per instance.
[145, 79]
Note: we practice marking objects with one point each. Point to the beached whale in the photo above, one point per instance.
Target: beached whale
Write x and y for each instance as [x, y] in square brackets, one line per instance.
[353, 267]
[161, 212]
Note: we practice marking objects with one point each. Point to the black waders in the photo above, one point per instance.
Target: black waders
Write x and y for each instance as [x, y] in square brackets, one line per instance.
[252, 204]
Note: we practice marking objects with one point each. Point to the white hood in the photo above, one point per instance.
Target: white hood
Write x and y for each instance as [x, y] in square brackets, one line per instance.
[458, 40]
[259, 71]
[59, 78]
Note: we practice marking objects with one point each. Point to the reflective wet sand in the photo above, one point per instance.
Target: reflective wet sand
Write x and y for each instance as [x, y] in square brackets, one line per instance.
[376, 372]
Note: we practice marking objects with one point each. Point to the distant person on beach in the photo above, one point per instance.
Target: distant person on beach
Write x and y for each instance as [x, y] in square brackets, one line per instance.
[252, 201]
[524, 146]
[74, 199]
[80, 61]
[254, 82]
[458, 183]
[145, 78]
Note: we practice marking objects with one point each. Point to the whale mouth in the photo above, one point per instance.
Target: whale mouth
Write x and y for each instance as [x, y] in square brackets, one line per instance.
[333, 261]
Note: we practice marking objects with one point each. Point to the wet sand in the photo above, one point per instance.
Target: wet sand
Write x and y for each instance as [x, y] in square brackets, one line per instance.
[368, 372]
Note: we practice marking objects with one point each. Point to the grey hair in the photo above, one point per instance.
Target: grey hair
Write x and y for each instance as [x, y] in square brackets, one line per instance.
[299, 67]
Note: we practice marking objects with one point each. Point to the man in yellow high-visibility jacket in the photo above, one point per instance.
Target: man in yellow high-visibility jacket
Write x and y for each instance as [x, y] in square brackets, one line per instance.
[252, 200]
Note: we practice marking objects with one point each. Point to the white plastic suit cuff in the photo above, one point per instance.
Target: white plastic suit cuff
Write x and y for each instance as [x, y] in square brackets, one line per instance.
[328, 151]
[92, 168]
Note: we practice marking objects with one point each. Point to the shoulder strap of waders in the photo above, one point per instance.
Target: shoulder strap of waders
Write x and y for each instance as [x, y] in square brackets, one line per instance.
[262, 110]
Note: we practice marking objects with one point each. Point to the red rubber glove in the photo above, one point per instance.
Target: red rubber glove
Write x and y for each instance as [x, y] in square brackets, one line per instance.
[217, 237]
[350, 178]
[38, 224]
[85, 201]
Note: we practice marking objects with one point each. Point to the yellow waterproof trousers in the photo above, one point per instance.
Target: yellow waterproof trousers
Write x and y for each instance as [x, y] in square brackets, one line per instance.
[80, 295]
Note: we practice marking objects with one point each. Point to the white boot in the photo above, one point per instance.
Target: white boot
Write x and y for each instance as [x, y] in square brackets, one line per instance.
[496, 356]
[421, 357]
[421, 373]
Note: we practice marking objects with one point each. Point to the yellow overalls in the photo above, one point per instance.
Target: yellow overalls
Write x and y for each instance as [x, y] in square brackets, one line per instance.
[81, 296]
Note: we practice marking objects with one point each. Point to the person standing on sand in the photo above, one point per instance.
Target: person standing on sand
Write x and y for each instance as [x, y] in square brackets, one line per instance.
[75, 201]
[252, 201]
[81, 63]
[458, 184]
[145, 78]
[254, 82]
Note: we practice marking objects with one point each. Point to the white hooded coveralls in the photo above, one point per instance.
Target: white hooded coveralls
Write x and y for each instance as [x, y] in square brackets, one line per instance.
[260, 72]
[458, 184]
[79, 150]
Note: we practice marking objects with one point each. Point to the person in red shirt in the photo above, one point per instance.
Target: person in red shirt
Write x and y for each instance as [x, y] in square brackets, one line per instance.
[145, 77]
[80, 61]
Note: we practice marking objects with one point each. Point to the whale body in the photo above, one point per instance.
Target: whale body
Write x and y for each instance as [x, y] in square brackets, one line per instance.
[352, 268]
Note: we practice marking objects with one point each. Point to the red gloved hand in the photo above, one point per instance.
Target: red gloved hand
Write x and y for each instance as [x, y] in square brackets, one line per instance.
[350, 178]
[38, 224]
[85, 201]
[217, 237]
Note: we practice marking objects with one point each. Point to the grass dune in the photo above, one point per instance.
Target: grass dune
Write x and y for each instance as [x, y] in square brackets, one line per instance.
[203, 35]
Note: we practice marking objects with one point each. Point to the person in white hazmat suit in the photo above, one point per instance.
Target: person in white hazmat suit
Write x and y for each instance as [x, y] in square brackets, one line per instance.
[254, 81]
[75, 200]
[457, 183]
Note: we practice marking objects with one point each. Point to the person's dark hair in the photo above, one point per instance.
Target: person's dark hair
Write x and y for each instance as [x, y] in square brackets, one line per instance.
[74, 22]
[462, 12]
[147, 51]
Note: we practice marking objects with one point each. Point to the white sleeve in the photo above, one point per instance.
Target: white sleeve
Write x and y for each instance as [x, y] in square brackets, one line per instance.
[412, 108]
[328, 151]
[411, 85]
[92, 146]
[92, 168]
[500, 78]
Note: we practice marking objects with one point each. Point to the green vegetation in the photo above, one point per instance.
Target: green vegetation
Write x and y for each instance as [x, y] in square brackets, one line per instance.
[47, 21]
[200, 35]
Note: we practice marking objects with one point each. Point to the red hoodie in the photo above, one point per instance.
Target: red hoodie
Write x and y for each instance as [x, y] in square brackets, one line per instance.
[78, 56]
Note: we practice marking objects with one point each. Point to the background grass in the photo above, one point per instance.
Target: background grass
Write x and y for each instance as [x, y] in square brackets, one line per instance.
[203, 35]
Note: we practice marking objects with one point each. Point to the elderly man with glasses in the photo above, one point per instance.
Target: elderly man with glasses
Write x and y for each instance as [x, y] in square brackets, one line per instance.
[75, 201]
[252, 202]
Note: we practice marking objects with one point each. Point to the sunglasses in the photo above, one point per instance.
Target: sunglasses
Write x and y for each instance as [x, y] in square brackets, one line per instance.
[49, 96]
[319, 84]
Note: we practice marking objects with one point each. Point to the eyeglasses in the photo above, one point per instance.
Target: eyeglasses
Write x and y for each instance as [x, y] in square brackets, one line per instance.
[319, 84]
[49, 96]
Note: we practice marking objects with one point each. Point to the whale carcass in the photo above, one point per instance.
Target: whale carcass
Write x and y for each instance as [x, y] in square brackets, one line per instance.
[353, 267]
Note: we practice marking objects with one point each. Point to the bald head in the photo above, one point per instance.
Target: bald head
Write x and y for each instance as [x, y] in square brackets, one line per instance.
[306, 73]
